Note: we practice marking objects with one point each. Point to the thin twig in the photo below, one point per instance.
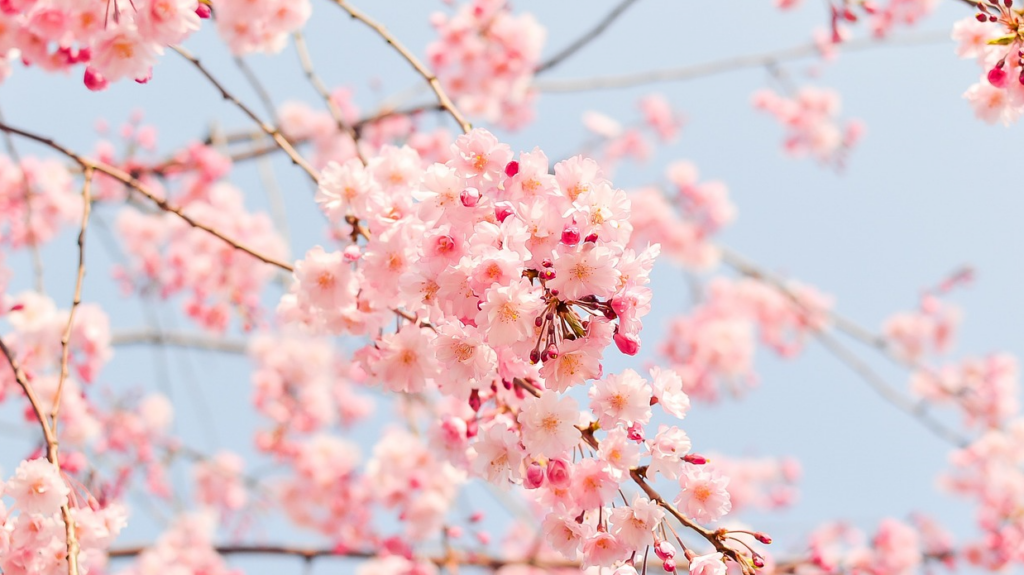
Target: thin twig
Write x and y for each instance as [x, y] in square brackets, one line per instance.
[586, 38]
[306, 61]
[429, 76]
[271, 131]
[136, 185]
[729, 64]
[893, 397]
[52, 454]
[177, 339]
[76, 300]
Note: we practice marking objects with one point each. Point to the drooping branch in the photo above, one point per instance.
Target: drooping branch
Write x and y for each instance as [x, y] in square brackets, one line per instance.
[429, 76]
[733, 64]
[271, 131]
[306, 61]
[133, 183]
[199, 341]
[65, 338]
[586, 38]
[52, 452]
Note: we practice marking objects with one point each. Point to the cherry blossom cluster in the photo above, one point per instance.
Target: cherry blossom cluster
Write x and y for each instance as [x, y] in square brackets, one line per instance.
[810, 120]
[32, 531]
[896, 548]
[302, 388]
[684, 218]
[658, 122]
[37, 200]
[925, 332]
[169, 257]
[992, 39]
[115, 39]
[264, 26]
[714, 345]
[186, 547]
[486, 57]
[882, 16]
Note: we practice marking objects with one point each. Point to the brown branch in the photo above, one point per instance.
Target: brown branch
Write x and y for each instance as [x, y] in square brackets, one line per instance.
[52, 453]
[65, 338]
[309, 553]
[429, 76]
[586, 38]
[729, 64]
[271, 131]
[136, 185]
[306, 61]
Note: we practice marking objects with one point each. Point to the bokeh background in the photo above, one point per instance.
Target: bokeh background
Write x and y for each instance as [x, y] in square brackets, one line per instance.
[929, 189]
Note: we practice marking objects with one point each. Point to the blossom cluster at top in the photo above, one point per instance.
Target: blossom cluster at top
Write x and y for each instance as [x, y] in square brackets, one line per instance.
[122, 39]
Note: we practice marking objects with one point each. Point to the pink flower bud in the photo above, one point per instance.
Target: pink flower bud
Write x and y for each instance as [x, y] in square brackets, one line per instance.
[512, 168]
[476, 517]
[627, 344]
[502, 212]
[474, 400]
[570, 235]
[758, 561]
[591, 238]
[635, 432]
[695, 459]
[470, 197]
[534, 476]
[559, 473]
[669, 565]
[997, 77]
[664, 550]
[351, 254]
[95, 81]
[763, 538]
[203, 11]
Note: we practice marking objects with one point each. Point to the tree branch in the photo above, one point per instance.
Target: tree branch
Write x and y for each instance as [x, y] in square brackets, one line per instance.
[199, 341]
[429, 76]
[586, 38]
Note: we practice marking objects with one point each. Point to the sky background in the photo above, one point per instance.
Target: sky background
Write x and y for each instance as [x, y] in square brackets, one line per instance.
[924, 193]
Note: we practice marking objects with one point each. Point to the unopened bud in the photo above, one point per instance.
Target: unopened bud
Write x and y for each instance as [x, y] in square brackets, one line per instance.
[534, 476]
[664, 550]
[534, 356]
[559, 473]
[203, 11]
[474, 400]
[502, 212]
[758, 561]
[511, 168]
[627, 344]
[570, 235]
[635, 432]
[997, 77]
[95, 81]
[669, 565]
[470, 197]
[763, 538]
[695, 459]
[591, 238]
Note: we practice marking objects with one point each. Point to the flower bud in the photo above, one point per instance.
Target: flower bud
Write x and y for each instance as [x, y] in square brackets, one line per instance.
[997, 77]
[95, 81]
[474, 400]
[511, 168]
[758, 561]
[559, 473]
[627, 344]
[203, 11]
[695, 459]
[570, 235]
[763, 538]
[470, 197]
[635, 432]
[534, 476]
[669, 565]
[502, 211]
[591, 238]
[664, 550]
